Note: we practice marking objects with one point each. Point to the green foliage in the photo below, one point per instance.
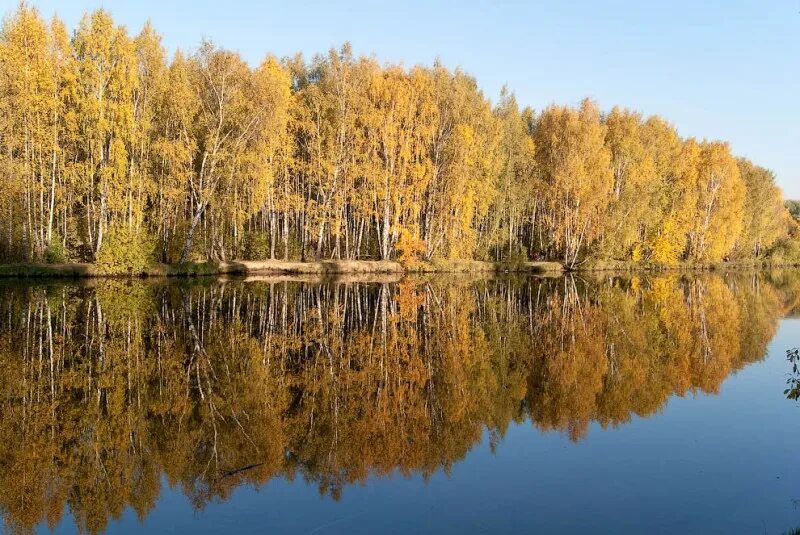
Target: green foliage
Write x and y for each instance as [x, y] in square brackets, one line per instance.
[124, 251]
[793, 382]
[794, 209]
[257, 246]
[56, 252]
[515, 257]
[787, 251]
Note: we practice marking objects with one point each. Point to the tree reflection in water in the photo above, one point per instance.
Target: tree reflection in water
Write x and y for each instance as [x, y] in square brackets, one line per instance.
[111, 386]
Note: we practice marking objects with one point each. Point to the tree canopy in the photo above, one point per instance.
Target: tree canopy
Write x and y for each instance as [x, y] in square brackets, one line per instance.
[104, 140]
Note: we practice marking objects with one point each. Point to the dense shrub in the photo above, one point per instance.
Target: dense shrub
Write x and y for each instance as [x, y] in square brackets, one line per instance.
[786, 251]
[125, 251]
[257, 246]
[410, 249]
[56, 252]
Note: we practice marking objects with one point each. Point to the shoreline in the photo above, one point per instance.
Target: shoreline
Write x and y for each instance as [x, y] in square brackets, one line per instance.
[327, 268]
[274, 267]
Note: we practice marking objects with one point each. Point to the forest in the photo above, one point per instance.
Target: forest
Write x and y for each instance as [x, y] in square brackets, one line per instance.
[114, 390]
[113, 153]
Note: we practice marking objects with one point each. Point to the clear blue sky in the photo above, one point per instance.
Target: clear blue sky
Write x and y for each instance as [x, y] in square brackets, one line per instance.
[716, 69]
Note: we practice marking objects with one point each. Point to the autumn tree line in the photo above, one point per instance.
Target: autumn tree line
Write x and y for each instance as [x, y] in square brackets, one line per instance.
[110, 150]
[111, 389]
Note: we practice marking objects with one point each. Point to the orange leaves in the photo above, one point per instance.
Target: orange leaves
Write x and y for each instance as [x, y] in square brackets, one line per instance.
[410, 248]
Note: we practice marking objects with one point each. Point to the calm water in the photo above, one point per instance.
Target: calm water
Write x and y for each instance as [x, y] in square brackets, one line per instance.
[649, 404]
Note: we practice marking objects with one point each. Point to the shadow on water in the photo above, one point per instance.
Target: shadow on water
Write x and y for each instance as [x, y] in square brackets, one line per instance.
[111, 387]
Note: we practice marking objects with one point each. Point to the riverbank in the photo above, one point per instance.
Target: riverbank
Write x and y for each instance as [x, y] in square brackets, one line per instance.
[326, 268]
[277, 267]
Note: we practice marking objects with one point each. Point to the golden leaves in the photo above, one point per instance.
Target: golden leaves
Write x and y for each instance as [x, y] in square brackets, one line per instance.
[332, 158]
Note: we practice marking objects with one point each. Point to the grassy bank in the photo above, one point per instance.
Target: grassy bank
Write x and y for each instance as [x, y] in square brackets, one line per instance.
[48, 270]
[325, 268]
[278, 267]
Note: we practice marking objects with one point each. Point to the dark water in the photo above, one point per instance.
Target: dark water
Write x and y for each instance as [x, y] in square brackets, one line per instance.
[647, 404]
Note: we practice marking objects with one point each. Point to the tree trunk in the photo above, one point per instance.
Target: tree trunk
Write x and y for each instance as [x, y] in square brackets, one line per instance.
[187, 242]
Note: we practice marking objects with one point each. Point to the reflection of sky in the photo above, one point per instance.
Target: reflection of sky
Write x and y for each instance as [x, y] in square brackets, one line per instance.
[707, 464]
[716, 69]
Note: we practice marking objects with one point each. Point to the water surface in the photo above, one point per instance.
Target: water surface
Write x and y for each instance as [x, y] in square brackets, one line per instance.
[651, 403]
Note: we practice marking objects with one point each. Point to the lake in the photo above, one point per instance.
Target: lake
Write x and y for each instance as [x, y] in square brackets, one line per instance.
[593, 403]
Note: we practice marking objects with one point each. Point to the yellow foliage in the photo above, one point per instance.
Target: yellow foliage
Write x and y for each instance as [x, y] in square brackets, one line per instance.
[334, 157]
[125, 251]
[410, 249]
